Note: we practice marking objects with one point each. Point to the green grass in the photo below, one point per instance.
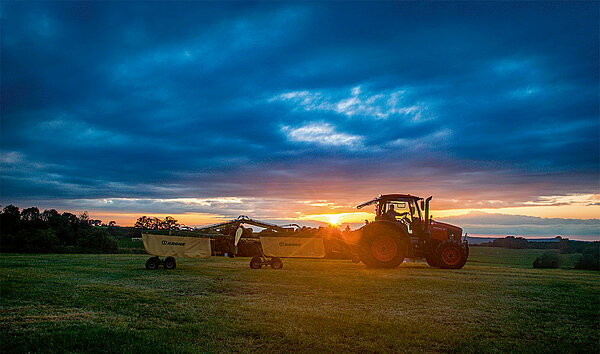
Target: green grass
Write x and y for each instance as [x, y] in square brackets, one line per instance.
[522, 258]
[110, 303]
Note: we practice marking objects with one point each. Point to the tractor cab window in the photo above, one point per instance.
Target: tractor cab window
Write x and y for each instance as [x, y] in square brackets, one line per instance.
[406, 212]
[415, 211]
[415, 215]
[396, 210]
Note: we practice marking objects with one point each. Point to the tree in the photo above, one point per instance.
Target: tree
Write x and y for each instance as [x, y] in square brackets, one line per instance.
[143, 222]
[112, 223]
[169, 224]
[153, 223]
[549, 259]
[84, 217]
[30, 214]
[49, 214]
[97, 240]
[72, 218]
[36, 240]
[10, 219]
[95, 222]
[590, 259]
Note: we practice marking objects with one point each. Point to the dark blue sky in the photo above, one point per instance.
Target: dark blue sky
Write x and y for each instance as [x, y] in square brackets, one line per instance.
[119, 106]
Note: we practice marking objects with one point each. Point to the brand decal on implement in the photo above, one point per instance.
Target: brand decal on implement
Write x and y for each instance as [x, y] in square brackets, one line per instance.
[169, 243]
[281, 244]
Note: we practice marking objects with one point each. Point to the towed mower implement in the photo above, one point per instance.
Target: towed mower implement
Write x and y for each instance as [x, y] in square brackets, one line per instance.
[289, 241]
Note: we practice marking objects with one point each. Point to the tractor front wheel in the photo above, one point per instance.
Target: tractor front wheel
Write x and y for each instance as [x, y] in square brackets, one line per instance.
[432, 260]
[451, 255]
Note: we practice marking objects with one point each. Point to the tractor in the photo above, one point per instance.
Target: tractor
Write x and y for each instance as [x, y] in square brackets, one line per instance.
[403, 229]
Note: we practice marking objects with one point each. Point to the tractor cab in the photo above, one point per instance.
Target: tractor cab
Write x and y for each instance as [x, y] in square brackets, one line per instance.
[407, 209]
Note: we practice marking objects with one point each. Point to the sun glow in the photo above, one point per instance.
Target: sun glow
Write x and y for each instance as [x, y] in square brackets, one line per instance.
[340, 218]
[334, 220]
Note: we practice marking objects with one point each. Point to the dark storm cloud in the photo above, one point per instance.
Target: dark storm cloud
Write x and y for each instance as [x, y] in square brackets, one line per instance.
[162, 100]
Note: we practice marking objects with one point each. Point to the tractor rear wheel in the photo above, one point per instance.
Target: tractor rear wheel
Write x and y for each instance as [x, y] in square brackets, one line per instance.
[381, 247]
[451, 255]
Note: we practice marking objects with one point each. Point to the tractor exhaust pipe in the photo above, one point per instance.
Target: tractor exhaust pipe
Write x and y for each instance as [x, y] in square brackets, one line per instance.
[427, 212]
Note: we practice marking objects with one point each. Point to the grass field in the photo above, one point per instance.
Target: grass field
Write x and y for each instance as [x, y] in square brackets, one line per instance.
[110, 303]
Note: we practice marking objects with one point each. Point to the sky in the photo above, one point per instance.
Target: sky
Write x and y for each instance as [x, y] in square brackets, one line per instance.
[300, 110]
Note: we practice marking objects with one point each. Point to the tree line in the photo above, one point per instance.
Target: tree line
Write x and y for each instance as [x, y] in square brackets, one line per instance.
[152, 223]
[32, 231]
[589, 258]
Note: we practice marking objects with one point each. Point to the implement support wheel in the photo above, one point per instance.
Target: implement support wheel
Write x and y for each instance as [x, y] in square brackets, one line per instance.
[170, 263]
[256, 262]
[276, 263]
[152, 263]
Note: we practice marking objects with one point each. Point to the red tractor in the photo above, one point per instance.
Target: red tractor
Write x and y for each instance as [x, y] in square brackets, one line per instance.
[403, 229]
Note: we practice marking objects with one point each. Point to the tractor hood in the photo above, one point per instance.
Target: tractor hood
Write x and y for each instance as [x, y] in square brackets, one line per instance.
[447, 230]
[443, 225]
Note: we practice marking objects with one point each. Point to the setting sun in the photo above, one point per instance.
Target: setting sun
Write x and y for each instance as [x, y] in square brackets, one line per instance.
[334, 220]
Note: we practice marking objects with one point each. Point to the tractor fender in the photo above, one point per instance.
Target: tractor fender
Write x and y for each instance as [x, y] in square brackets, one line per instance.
[396, 227]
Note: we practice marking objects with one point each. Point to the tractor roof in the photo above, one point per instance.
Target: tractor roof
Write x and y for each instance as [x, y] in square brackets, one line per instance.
[388, 197]
[398, 196]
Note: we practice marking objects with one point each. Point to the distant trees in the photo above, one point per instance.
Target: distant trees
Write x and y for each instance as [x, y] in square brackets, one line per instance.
[95, 222]
[564, 245]
[97, 239]
[549, 259]
[10, 220]
[511, 242]
[153, 223]
[49, 231]
[590, 257]
[145, 222]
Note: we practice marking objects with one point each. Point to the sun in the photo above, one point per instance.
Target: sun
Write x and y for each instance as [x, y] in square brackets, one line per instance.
[334, 220]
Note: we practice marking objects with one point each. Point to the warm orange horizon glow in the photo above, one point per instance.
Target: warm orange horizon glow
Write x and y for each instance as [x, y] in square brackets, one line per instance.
[340, 218]
[129, 219]
[568, 207]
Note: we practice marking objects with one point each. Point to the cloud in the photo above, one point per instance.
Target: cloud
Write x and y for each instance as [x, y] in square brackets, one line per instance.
[570, 199]
[360, 103]
[10, 157]
[478, 223]
[322, 134]
[223, 207]
[438, 138]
